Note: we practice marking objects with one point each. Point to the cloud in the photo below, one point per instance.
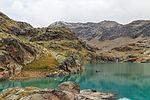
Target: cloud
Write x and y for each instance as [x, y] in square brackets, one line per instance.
[43, 12]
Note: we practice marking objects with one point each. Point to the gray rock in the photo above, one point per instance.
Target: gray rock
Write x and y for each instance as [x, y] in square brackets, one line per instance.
[69, 86]
[70, 65]
[66, 91]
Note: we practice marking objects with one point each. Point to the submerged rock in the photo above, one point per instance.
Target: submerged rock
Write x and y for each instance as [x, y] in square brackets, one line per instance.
[66, 91]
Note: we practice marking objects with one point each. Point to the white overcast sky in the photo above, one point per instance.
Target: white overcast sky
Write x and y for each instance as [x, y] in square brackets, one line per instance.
[43, 12]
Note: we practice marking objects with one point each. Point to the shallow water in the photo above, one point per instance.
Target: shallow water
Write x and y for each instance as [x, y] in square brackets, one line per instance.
[127, 80]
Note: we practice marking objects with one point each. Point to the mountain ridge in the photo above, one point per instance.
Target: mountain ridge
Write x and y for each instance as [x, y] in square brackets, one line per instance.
[106, 30]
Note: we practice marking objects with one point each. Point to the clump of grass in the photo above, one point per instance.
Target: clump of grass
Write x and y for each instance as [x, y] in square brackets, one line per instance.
[63, 30]
[44, 63]
[6, 35]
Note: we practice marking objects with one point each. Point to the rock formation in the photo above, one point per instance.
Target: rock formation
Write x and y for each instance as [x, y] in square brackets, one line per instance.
[66, 91]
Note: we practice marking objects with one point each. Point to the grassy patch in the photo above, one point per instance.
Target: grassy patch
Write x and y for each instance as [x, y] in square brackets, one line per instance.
[44, 63]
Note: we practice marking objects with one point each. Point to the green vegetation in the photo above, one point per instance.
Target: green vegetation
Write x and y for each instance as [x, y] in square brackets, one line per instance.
[44, 63]
[63, 30]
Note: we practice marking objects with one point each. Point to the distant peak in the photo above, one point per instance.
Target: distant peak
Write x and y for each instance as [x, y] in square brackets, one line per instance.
[108, 24]
[59, 24]
[138, 22]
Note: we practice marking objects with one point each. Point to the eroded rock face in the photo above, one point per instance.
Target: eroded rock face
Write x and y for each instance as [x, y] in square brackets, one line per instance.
[55, 33]
[13, 55]
[70, 65]
[66, 91]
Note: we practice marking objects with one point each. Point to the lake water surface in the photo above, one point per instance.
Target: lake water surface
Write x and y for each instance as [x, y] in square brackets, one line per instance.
[127, 80]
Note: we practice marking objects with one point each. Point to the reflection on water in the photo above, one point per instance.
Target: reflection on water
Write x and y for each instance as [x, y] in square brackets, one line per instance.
[129, 80]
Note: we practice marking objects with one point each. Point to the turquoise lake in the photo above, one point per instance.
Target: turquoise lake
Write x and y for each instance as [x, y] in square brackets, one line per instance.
[130, 81]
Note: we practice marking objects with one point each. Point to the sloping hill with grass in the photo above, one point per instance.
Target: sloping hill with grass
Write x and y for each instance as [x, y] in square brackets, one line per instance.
[33, 52]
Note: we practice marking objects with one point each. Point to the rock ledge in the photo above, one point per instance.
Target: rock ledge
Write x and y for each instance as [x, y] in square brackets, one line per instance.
[65, 91]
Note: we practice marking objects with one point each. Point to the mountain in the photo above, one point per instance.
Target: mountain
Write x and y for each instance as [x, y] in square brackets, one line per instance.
[108, 30]
[62, 47]
[116, 42]
[26, 51]
[107, 34]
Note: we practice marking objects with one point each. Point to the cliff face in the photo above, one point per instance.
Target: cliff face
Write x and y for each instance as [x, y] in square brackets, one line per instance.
[24, 48]
[15, 54]
[12, 55]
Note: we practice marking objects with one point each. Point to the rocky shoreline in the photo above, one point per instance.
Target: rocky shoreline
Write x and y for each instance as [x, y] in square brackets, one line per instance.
[65, 91]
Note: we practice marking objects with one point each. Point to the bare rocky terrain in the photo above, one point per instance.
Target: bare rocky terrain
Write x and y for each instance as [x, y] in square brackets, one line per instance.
[65, 91]
[132, 39]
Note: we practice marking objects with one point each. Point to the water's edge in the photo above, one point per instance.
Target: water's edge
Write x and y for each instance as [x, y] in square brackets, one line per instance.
[127, 80]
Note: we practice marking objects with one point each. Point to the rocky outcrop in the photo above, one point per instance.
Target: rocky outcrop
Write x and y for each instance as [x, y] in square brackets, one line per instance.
[66, 91]
[24, 25]
[69, 86]
[14, 55]
[70, 65]
[11, 26]
[55, 33]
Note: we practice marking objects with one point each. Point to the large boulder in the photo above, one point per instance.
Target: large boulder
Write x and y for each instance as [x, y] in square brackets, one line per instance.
[70, 65]
[69, 86]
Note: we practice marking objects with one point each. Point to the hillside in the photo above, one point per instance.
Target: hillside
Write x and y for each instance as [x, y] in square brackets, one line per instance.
[109, 35]
[36, 52]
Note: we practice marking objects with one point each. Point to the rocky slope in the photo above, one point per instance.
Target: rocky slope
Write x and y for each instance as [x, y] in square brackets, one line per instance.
[109, 35]
[15, 54]
[65, 91]
[30, 52]
[108, 30]
[8, 25]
